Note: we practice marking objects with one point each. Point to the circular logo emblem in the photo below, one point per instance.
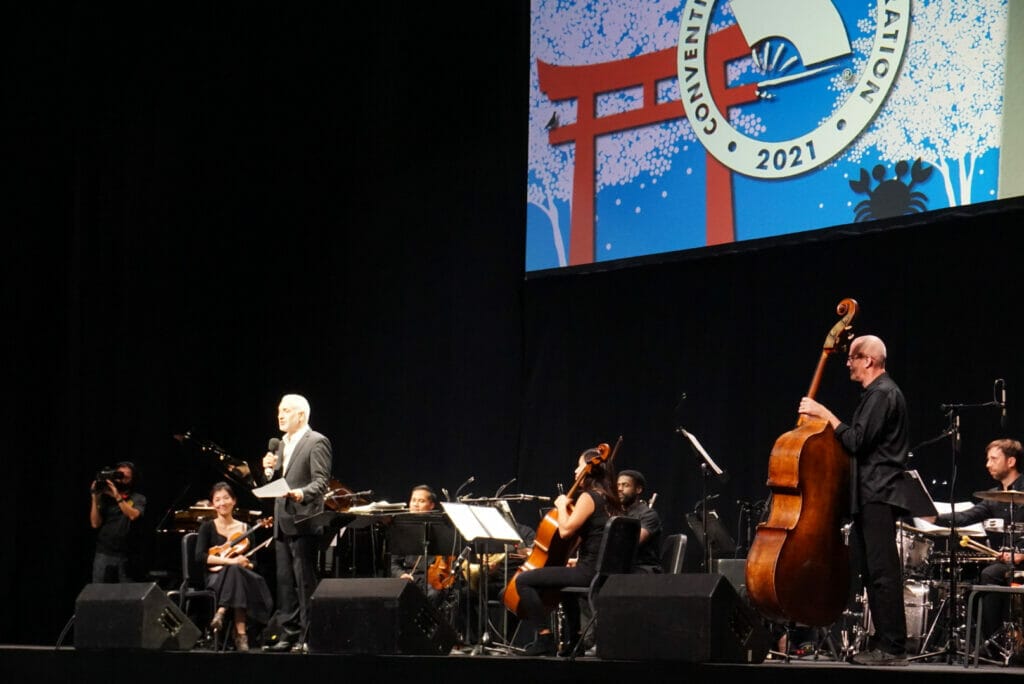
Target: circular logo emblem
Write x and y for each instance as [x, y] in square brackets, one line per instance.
[794, 83]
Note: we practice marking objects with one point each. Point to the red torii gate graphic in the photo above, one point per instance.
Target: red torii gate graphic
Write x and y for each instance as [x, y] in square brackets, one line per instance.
[587, 81]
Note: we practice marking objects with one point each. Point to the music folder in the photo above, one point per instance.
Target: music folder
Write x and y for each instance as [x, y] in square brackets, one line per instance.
[920, 503]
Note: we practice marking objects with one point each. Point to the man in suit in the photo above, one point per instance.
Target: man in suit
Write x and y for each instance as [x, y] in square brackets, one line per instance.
[303, 459]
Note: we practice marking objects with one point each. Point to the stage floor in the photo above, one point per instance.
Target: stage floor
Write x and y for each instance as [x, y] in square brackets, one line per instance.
[41, 663]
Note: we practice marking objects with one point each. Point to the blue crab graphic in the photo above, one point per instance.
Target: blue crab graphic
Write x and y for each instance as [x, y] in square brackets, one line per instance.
[891, 197]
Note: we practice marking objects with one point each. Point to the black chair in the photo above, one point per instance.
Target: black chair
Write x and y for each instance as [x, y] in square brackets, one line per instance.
[673, 553]
[615, 556]
[192, 586]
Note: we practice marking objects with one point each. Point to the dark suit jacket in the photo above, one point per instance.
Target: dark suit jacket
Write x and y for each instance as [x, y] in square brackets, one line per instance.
[309, 469]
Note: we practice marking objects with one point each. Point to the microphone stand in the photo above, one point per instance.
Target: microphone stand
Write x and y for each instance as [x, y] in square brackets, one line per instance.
[704, 515]
[953, 431]
[952, 412]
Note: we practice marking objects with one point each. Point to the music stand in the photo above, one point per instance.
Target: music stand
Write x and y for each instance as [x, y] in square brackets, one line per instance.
[707, 466]
[421, 534]
[488, 531]
[332, 525]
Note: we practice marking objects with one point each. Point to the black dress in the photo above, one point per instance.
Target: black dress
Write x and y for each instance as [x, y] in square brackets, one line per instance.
[236, 586]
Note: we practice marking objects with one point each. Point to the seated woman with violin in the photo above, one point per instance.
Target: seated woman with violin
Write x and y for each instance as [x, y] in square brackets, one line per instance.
[224, 546]
[584, 519]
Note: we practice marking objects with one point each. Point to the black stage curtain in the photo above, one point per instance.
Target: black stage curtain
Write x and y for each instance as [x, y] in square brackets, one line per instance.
[211, 206]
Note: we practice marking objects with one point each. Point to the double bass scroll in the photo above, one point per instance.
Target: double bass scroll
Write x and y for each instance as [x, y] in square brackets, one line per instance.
[798, 566]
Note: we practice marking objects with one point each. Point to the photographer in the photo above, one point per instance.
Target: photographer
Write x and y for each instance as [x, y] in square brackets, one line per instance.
[115, 507]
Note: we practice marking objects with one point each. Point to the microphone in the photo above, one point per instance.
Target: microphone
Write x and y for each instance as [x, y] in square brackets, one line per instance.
[271, 449]
[706, 501]
[503, 487]
[471, 480]
[464, 556]
[445, 492]
[1002, 401]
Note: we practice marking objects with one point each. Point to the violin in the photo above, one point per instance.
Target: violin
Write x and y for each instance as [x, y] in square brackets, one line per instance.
[440, 574]
[237, 544]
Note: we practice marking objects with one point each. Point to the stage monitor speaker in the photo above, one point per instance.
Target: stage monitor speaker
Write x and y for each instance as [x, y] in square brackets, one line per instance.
[734, 570]
[377, 616]
[689, 617]
[131, 615]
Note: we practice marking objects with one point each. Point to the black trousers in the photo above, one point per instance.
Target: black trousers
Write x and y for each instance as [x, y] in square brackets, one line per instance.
[995, 607]
[874, 534]
[295, 557]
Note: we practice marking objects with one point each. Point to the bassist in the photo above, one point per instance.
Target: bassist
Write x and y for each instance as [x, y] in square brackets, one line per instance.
[877, 437]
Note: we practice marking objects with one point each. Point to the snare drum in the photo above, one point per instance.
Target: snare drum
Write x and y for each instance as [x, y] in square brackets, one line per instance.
[915, 553]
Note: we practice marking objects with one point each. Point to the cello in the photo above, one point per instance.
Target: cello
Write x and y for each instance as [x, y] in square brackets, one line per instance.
[549, 548]
[798, 567]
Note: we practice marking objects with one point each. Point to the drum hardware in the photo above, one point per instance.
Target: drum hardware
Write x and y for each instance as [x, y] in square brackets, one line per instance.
[1007, 643]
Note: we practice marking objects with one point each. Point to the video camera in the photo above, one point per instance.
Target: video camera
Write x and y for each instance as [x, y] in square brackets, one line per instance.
[108, 473]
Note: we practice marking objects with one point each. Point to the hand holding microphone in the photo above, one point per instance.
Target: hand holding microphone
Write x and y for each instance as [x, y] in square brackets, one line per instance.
[270, 458]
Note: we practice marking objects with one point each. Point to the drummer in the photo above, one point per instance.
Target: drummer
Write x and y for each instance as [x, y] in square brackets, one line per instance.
[1001, 503]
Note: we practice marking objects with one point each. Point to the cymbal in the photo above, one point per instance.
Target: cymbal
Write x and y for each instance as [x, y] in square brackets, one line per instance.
[1006, 496]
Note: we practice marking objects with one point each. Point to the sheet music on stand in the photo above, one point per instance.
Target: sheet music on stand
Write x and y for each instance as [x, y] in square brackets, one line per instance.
[703, 453]
[487, 530]
[481, 522]
[944, 507]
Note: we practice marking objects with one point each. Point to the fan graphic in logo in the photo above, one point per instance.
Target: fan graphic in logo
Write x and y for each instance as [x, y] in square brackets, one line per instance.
[809, 88]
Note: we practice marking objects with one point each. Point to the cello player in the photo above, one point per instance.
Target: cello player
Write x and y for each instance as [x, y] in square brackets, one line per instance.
[878, 439]
[585, 518]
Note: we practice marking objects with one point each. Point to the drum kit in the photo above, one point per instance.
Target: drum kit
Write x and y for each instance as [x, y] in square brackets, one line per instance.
[939, 567]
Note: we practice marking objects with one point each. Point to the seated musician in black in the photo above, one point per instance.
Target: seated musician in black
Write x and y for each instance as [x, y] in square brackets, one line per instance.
[597, 501]
[631, 485]
[239, 588]
[1002, 460]
[422, 499]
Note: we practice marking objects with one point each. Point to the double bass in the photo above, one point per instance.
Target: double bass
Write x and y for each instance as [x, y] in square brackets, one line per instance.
[549, 548]
[798, 565]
